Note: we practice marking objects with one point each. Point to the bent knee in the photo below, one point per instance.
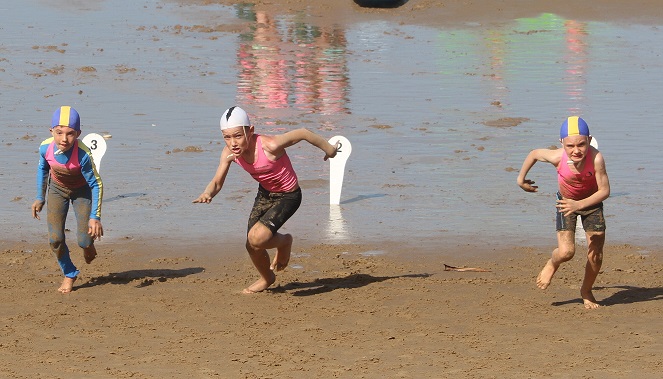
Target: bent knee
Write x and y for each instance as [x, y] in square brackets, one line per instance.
[56, 244]
[85, 245]
[252, 247]
[89, 246]
[258, 236]
[566, 254]
[253, 241]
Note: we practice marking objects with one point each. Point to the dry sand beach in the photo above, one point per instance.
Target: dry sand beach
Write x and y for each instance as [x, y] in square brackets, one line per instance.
[167, 309]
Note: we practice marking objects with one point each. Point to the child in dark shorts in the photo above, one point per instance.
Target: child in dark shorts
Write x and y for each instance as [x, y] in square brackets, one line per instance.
[279, 195]
[583, 186]
[592, 218]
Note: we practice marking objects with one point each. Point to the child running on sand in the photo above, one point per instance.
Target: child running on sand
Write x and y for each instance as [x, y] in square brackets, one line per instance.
[73, 179]
[279, 195]
[583, 185]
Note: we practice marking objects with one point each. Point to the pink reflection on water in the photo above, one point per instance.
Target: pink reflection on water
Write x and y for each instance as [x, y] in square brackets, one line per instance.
[263, 75]
[576, 62]
[293, 65]
[496, 48]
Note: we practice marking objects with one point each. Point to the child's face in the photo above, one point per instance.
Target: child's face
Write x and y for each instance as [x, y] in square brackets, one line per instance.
[237, 139]
[64, 137]
[576, 147]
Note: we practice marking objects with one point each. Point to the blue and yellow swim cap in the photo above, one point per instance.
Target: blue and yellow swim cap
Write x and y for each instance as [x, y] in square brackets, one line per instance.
[66, 116]
[574, 126]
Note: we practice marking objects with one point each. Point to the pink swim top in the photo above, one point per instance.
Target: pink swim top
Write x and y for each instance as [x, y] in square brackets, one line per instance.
[577, 186]
[274, 176]
[68, 174]
[70, 170]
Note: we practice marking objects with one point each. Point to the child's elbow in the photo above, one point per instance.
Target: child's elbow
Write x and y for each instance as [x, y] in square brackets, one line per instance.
[605, 192]
[304, 132]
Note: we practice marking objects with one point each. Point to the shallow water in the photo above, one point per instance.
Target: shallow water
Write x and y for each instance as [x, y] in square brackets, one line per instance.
[440, 119]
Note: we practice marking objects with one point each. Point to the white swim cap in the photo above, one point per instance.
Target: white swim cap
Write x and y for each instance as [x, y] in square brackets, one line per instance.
[234, 117]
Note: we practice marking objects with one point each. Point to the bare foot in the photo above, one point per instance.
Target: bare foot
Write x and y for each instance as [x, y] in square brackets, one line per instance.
[89, 254]
[282, 256]
[546, 274]
[67, 285]
[588, 300]
[259, 285]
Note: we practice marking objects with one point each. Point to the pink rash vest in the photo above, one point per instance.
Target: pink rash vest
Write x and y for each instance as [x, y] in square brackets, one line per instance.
[274, 176]
[577, 186]
[71, 170]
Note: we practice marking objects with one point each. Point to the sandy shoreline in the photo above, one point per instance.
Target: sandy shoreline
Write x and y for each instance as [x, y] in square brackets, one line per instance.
[142, 312]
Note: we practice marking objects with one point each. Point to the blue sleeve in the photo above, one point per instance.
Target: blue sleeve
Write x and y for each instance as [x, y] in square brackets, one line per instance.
[93, 179]
[43, 169]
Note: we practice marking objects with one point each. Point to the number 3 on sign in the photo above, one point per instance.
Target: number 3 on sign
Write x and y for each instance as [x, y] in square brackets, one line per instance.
[97, 145]
[337, 167]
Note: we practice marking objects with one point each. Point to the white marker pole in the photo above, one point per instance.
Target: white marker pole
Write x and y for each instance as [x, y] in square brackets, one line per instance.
[337, 168]
[97, 145]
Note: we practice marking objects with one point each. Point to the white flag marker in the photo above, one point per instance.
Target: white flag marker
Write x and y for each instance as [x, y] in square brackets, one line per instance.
[337, 168]
[97, 145]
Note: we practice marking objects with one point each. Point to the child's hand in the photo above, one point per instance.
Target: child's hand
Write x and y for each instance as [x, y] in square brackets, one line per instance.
[203, 198]
[527, 186]
[568, 206]
[333, 154]
[36, 208]
[94, 229]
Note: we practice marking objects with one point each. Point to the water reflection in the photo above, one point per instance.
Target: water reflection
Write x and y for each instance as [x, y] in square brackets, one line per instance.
[576, 62]
[557, 37]
[497, 50]
[292, 64]
[508, 59]
[336, 226]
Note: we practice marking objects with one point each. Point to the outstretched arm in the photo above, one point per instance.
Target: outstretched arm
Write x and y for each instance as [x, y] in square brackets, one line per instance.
[536, 155]
[280, 142]
[219, 178]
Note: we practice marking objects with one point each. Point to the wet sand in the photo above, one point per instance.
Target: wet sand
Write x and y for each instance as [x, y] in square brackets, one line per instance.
[145, 311]
[164, 309]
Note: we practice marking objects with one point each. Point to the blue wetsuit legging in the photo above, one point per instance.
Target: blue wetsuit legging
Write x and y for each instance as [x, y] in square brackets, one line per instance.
[57, 207]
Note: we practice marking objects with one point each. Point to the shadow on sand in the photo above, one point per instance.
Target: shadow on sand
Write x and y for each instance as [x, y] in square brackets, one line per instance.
[627, 295]
[319, 286]
[363, 197]
[146, 277]
[124, 196]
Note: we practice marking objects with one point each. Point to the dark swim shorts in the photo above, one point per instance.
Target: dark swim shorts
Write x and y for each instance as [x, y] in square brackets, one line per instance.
[273, 209]
[592, 219]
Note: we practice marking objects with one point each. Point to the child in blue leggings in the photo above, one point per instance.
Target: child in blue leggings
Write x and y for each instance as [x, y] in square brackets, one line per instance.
[66, 168]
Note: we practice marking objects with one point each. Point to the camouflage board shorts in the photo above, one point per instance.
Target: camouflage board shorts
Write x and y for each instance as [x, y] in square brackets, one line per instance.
[273, 209]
